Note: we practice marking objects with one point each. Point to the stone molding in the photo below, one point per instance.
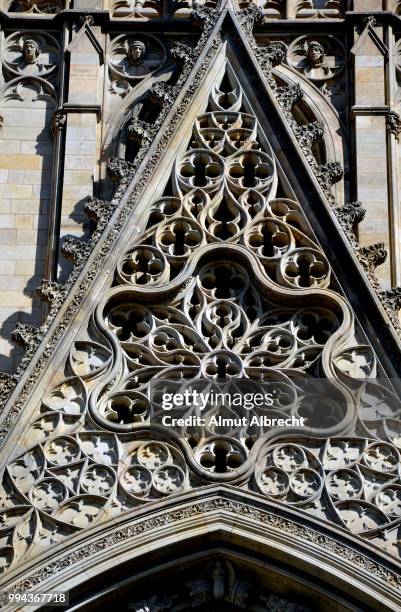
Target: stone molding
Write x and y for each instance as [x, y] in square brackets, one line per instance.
[112, 216]
[225, 511]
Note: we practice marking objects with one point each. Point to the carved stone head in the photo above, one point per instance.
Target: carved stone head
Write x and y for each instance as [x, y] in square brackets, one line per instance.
[136, 51]
[315, 52]
[30, 51]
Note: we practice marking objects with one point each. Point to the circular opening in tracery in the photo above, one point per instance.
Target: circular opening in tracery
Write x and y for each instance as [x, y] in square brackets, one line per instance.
[207, 460]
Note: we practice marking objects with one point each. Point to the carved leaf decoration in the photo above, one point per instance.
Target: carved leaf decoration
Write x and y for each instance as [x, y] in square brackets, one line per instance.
[69, 397]
[89, 359]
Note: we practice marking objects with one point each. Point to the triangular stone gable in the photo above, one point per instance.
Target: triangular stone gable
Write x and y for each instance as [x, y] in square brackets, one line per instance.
[218, 269]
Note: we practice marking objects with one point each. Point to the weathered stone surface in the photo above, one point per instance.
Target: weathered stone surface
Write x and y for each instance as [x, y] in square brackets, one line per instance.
[217, 254]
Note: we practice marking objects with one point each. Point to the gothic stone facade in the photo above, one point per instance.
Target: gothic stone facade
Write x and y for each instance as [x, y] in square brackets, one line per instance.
[200, 191]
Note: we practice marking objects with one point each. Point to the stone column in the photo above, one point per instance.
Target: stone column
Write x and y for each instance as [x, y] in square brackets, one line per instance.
[369, 116]
[393, 126]
[82, 110]
[290, 9]
[368, 5]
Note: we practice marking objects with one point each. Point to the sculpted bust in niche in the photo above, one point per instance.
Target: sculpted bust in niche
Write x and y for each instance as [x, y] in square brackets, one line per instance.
[134, 57]
[136, 52]
[30, 51]
[139, 59]
[319, 58]
[315, 64]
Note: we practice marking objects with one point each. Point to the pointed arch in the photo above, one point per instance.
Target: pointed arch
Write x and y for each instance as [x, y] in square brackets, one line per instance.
[263, 544]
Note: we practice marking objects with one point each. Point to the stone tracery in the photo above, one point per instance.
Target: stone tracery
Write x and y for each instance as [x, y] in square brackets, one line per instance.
[219, 581]
[222, 206]
[36, 6]
[299, 9]
[226, 281]
[71, 482]
[223, 197]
